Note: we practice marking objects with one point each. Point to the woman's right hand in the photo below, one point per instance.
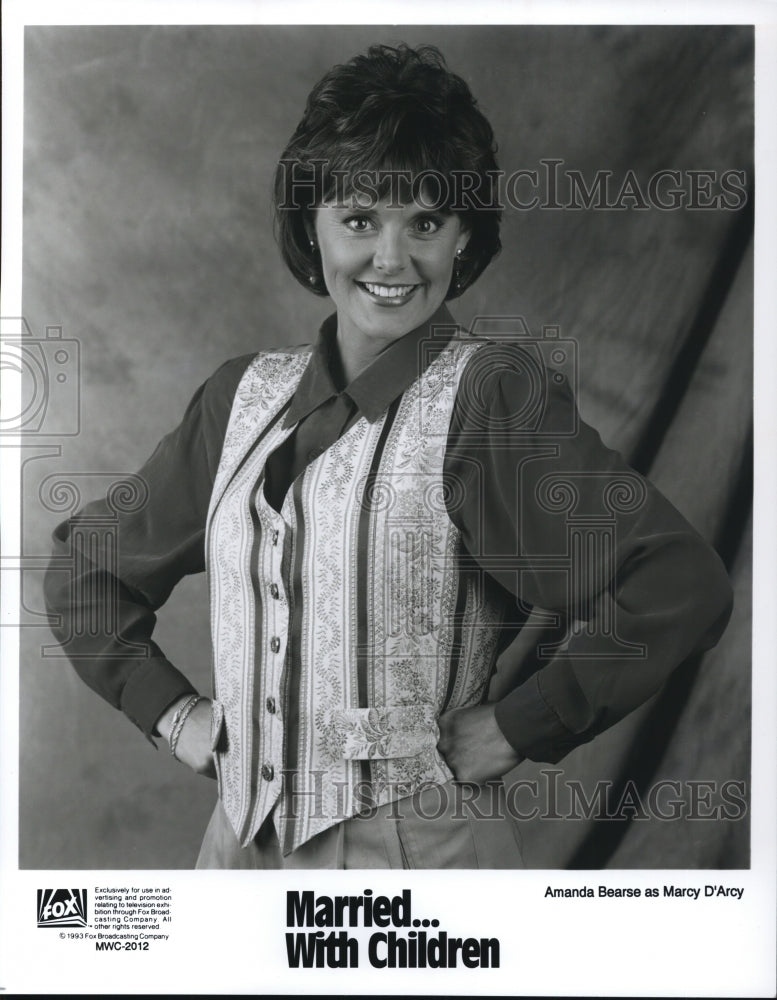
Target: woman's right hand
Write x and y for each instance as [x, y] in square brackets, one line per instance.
[194, 743]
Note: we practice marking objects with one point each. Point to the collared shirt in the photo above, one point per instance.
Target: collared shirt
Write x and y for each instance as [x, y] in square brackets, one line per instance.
[656, 587]
[324, 408]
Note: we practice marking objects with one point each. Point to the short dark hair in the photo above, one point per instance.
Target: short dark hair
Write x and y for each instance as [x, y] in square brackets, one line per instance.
[394, 109]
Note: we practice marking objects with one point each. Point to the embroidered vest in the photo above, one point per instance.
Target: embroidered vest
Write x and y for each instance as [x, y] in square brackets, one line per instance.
[344, 625]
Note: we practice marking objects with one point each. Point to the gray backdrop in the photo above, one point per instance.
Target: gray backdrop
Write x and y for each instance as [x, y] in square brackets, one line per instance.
[149, 154]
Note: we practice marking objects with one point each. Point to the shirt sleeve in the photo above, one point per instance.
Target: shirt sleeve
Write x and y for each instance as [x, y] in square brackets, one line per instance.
[156, 545]
[561, 522]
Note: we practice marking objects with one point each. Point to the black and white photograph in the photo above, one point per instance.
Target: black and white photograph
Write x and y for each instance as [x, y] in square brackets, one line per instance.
[385, 448]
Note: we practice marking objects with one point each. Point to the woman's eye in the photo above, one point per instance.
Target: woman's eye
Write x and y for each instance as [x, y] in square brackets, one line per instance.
[359, 223]
[427, 226]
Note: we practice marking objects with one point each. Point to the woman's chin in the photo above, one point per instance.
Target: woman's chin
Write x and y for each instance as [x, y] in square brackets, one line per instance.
[376, 320]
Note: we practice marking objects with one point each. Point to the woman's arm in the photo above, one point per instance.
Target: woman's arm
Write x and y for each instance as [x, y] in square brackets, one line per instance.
[649, 580]
[193, 746]
[157, 545]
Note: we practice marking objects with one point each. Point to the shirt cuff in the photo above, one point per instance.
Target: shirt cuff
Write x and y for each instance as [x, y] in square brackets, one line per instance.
[150, 689]
[531, 726]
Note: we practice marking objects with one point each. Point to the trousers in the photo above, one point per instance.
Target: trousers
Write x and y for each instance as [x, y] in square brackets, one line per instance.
[442, 826]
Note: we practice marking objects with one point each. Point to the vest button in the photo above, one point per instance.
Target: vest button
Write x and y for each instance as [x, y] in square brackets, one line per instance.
[275, 537]
[268, 772]
[274, 592]
[275, 644]
[270, 705]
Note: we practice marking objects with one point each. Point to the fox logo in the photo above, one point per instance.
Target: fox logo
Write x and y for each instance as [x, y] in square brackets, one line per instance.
[61, 907]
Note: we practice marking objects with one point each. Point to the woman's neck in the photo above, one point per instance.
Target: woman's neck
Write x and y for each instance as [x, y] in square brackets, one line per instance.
[355, 353]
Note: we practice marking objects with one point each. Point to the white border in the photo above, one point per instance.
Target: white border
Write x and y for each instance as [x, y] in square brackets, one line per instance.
[764, 756]
[709, 951]
[50, 12]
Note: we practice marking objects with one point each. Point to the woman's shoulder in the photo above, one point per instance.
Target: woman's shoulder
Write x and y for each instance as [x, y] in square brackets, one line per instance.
[227, 377]
[209, 408]
[509, 373]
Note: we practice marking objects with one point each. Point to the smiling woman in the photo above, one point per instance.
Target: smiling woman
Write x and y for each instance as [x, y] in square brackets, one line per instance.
[378, 513]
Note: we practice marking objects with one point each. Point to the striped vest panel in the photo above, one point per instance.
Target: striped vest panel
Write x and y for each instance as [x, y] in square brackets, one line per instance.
[344, 625]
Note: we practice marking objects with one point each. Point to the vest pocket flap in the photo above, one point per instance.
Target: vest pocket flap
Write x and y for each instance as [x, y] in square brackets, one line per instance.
[383, 733]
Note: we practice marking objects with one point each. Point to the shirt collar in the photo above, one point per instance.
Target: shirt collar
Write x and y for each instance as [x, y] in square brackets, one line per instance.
[374, 389]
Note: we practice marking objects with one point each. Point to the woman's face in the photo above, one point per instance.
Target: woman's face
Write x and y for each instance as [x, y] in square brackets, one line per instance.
[387, 266]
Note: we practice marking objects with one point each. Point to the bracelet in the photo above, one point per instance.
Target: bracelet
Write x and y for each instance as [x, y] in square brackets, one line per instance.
[179, 719]
[177, 716]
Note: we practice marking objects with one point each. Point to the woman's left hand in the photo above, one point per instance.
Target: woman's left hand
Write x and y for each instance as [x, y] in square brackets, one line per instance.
[473, 745]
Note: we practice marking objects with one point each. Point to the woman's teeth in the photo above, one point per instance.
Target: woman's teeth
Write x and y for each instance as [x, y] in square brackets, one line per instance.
[389, 291]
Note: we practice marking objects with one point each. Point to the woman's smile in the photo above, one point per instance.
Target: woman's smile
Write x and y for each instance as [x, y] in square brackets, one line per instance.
[388, 295]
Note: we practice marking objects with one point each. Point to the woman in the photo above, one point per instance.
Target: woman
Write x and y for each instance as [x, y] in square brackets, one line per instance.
[378, 513]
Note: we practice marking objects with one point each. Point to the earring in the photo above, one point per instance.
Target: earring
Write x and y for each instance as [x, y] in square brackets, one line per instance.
[457, 269]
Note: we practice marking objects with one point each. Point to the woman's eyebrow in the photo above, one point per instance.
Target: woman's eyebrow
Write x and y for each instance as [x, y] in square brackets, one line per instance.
[372, 209]
[430, 211]
[350, 209]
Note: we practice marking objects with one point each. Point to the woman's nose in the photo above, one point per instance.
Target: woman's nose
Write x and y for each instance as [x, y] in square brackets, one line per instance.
[391, 254]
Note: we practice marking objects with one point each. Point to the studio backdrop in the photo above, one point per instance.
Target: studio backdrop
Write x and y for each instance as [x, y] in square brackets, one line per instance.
[149, 259]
